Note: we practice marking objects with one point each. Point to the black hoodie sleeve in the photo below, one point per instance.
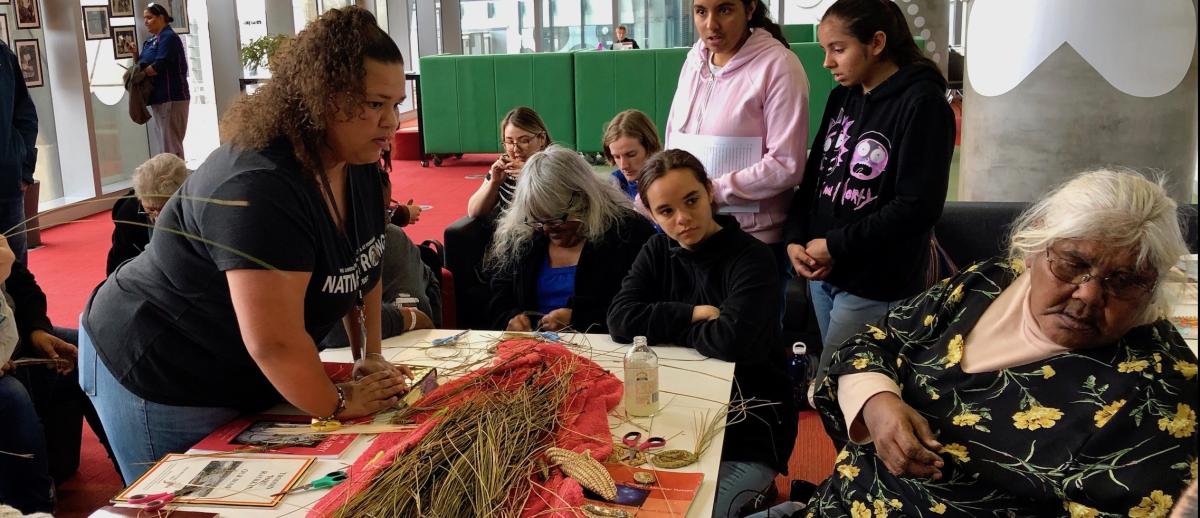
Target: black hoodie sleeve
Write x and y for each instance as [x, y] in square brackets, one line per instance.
[640, 308]
[795, 230]
[922, 174]
[29, 302]
[751, 306]
[504, 303]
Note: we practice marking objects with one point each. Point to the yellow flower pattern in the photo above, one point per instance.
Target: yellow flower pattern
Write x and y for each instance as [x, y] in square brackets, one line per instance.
[860, 363]
[958, 451]
[860, 510]
[966, 419]
[1106, 412]
[881, 509]
[1188, 369]
[954, 351]
[939, 508]
[841, 456]
[1048, 372]
[956, 295]
[1133, 366]
[876, 332]
[928, 320]
[849, 471]
[1180, 425]
[1078, 510]
[1157, 505]
[1036, 417]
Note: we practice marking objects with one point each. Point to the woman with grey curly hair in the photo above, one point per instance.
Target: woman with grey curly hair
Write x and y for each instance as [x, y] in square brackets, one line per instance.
[562, 246]
[1045, 382]
[154, 182]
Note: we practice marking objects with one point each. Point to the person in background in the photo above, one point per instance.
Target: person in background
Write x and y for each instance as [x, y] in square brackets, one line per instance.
[563, 246]
[18, 150]
[704, 283]
[154, 182]
[523, 133]
[25, 481]
[163, 59]
[629, 140]
[274, 240]
[1044, 383]
[860, 224]
[741, 79]
[629, 43]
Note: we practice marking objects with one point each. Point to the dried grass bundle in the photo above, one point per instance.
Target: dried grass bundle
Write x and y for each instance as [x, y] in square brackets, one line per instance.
[475, 461]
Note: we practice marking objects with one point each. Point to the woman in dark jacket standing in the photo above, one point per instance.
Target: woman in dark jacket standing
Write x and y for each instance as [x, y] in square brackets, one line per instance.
[860, 223]
[708, 285]
[163, 59]
[562, 247]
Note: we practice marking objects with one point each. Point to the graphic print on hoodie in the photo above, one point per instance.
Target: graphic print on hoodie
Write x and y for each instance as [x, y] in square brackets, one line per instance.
[877, 182]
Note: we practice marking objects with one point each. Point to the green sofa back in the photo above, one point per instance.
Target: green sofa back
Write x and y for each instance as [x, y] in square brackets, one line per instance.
[607, 83]
[463, 98]
[799, 33]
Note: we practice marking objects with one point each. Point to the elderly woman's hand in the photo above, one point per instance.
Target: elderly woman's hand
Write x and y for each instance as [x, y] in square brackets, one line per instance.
[556, 320]
[902, 437]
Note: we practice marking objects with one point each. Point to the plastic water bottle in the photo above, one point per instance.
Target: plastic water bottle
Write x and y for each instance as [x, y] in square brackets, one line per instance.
[798, 369]
[641, 379]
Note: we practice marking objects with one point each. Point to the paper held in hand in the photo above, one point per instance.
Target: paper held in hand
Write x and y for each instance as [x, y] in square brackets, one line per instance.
[721, 156]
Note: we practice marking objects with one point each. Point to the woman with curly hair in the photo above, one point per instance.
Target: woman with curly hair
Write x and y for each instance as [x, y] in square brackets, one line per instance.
[269, 244]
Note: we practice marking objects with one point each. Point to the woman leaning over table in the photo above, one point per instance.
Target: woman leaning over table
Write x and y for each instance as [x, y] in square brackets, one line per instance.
[706, 284]
[270, 243]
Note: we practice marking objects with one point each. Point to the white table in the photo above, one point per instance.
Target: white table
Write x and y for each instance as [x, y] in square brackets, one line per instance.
[689, 386]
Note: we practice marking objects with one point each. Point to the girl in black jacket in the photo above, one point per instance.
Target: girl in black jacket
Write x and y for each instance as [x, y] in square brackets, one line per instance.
[875, 183]
[562, 247]
[708, 285]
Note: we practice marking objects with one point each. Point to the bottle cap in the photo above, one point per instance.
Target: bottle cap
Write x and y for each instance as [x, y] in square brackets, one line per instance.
[799, 348]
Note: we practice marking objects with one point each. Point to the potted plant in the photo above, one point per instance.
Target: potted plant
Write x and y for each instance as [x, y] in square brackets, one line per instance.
[257, 54]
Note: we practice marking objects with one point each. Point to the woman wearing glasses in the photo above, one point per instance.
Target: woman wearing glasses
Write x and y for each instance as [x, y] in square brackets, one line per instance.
[523, 133]
[563, 247]
[1044, 383]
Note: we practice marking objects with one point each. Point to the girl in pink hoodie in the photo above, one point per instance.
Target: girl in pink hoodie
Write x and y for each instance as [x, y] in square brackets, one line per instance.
[742, 80]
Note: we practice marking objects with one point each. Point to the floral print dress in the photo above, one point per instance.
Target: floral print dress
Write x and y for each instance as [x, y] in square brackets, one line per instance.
[1102, 432]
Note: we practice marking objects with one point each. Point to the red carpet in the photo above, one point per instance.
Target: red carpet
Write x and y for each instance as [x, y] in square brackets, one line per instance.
[70, 263]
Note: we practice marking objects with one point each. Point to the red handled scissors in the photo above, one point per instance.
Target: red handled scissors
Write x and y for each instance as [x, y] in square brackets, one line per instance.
[152, 501]
[633, 441]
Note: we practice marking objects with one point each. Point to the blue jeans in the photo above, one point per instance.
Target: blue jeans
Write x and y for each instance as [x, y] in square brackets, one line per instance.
[738, 483]
[12, 225]
[840, 316]
[141, 432]
[25, 483]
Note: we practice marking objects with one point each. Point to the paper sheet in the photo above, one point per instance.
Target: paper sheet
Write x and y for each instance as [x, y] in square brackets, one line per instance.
[220, 479]
[721, 156]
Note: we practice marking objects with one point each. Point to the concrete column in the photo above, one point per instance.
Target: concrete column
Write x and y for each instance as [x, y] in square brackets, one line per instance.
[1127, 97]
[930, 19]
[226, 53]
[281, 19]
[427, 43]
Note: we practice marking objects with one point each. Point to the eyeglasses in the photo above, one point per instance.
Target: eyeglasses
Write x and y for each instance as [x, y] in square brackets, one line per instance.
[521, 142]
[1120, 285]
[548, 224]
[150, 213]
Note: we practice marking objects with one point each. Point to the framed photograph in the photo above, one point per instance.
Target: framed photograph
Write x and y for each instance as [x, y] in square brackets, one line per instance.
[95, 22]
[122, 38]
[28, 16]
[178, 10]
[120, 8]
[29, 56]
[4, 29]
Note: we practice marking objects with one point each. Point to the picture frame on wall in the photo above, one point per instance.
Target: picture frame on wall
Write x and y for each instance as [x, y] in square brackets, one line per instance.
[28, 14]
[122, 36]
[120, 8]
[96, 22]
[178, 10]
[29, 57]
[4, 29]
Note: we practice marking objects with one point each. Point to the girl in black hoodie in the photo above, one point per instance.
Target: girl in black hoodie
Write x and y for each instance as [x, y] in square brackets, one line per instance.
[860, 224]
[708, 285]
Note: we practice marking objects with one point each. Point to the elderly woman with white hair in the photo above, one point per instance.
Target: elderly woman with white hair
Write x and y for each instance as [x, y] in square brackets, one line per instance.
[154, 182]
[562, 247]
[1047, 383]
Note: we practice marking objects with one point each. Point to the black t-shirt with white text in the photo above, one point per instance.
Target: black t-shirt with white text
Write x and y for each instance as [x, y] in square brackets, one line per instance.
[163, 323]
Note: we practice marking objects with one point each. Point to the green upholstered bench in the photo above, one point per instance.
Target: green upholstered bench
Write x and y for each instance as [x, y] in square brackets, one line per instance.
[799, 33]
[463, 98]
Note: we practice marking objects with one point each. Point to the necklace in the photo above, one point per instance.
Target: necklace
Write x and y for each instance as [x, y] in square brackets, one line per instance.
[356, 349]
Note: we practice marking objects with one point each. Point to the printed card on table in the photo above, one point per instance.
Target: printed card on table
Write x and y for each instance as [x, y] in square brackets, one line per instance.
[669, 496]
[220, 479]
